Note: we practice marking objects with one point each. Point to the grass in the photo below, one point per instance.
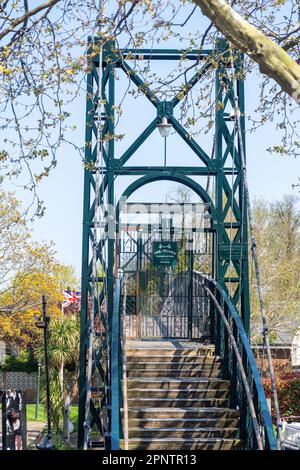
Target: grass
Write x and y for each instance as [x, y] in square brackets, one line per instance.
[30, 414]
[57, 438]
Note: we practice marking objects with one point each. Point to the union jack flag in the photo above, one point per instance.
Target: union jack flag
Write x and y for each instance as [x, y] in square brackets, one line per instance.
[71, 296]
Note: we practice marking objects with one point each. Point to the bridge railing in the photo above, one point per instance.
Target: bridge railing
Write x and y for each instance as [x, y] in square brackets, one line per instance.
[115, 372]
[239, 366]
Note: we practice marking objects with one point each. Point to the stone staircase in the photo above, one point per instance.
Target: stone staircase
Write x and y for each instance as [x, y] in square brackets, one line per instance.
[177, 398]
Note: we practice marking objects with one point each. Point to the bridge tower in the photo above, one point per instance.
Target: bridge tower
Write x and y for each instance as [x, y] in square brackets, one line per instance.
[228, 209]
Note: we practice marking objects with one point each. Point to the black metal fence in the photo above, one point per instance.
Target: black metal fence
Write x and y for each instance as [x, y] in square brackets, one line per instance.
[166, 301]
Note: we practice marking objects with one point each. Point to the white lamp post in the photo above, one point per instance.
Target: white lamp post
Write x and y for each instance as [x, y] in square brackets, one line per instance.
[164, 129]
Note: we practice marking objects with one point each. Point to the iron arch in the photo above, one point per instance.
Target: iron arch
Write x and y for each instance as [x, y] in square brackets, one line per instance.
[179, 178]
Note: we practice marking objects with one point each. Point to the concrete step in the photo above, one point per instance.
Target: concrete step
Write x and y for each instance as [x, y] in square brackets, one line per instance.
[166, 343]
[171, 358]
[211, 412]
[176, 402]
[149, 423]
[213, 370]
[189, 443]
[185, 383]
[170, 352]
[177, 393]
[177, 398]
[187, 432]
[147, 364]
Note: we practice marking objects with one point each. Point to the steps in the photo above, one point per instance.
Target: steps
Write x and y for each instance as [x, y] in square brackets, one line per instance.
[177, 398]
[186, 443]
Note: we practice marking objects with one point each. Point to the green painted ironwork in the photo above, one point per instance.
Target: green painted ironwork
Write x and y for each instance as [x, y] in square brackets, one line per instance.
[220, 336]
[115, 368]
[230, 252]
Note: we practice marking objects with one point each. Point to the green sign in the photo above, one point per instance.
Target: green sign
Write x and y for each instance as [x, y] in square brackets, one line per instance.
[165, 253]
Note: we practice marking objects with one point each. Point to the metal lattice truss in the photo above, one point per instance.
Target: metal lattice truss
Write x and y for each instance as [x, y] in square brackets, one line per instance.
[228, 209]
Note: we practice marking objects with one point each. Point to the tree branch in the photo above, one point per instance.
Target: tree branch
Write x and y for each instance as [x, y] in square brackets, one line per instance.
[24, 18]
[271, 58]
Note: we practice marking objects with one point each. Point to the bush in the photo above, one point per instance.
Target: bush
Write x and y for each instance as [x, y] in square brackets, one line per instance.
[288, 390]
[16, 364]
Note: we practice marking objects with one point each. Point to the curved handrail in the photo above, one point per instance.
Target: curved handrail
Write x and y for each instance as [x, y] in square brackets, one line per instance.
[115, 369]
[124, 365]
[242, 370]
[267, 421]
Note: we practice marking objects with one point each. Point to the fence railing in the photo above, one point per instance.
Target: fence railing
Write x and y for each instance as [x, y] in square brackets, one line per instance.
[239, 366]
[116, 360]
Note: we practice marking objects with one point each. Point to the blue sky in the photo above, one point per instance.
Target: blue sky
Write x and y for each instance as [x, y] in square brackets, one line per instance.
[269, 176]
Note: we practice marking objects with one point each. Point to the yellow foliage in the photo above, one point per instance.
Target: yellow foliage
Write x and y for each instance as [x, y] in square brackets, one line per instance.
[41, 276]
[5, 70]
[27, 271]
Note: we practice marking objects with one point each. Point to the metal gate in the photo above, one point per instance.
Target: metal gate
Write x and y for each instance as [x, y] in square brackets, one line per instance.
[165, 301]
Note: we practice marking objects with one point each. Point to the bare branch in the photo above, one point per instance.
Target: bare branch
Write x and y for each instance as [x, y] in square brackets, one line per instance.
[24, 18]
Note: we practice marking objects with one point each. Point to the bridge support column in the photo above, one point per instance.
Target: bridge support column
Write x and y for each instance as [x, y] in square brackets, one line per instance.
[231, 207]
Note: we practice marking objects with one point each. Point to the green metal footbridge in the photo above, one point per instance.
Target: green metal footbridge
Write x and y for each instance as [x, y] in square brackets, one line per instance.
[165, 356]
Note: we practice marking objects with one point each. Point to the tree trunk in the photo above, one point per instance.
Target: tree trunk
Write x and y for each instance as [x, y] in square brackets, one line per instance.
[271, 58]
[61, 378]
[66, 433]
[65, 402]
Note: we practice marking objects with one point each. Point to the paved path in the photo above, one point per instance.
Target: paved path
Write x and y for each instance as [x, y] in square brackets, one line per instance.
[33, 430]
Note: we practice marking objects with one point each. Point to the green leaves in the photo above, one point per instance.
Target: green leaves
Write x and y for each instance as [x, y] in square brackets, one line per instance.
[64, 340]
[276, 229]
[63, 350]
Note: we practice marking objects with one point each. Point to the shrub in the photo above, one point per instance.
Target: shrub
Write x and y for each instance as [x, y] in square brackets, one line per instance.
[15, 364]
[288, 390]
